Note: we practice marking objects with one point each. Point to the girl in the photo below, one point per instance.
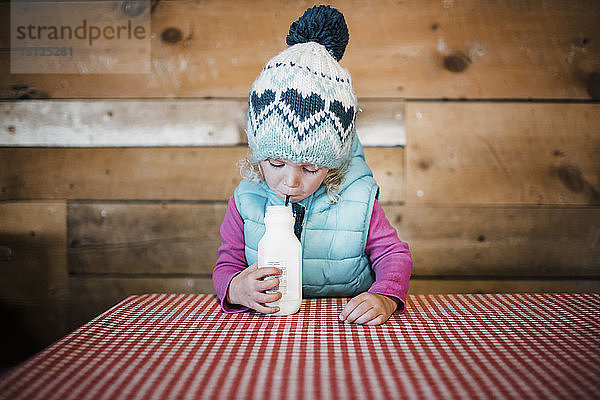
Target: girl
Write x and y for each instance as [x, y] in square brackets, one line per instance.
[301, 132]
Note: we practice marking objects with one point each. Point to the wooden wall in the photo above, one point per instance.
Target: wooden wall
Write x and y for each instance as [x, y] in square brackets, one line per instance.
[481, 121]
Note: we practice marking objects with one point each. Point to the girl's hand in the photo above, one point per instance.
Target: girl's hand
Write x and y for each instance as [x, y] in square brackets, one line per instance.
[247, 288]
[369, 309]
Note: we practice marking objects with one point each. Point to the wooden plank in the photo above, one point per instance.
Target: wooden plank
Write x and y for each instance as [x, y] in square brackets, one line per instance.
[490, 153]
[381, 123]
[140, 238]
[388, 169]
[410, 49]
[181, 173]
[89, 37]
[171, 237]
[33, 277]
[499, 241]
[153, 173]
[163, 122]
[33, 257]
[444, 286]
[91, 296]
[175, 238]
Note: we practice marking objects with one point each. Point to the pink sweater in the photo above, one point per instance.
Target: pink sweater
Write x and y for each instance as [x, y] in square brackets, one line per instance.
[390, 258]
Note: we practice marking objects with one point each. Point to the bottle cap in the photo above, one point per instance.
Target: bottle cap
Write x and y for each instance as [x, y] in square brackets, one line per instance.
[279, 210]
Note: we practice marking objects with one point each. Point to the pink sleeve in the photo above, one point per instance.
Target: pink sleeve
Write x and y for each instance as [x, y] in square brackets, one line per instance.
[232, 259]
[390, 258]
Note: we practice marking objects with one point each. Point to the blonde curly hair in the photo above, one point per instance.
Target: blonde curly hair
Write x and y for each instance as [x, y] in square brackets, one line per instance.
[253, 172]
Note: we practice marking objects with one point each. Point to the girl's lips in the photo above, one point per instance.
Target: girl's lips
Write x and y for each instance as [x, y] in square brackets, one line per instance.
[293, 197]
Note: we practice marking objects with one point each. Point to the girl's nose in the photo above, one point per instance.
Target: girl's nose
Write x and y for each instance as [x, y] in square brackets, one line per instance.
[292, 179]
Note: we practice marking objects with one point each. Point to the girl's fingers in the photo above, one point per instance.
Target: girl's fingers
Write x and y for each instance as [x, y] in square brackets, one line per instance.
[369, 309]
[359, 311]
[380, 319]
[253, 297]
[263, 298]
[250, 268]
[263, 272]
[350, 307]
[367, 317]
[264, 309]
[268, 298]
[267, 284]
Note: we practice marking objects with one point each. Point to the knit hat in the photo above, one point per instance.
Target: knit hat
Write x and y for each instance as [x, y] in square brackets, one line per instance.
[302, 106]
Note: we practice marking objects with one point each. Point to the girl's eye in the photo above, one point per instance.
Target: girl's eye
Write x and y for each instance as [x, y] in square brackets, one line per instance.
[275, 164]
[311, 171]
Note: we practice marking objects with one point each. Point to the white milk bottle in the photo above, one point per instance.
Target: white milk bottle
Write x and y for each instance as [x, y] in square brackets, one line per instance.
[280, 248]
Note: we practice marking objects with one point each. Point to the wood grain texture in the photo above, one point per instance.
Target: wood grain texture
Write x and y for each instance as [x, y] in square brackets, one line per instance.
[180, 173]
[388, 166]
[503, 153]
[33, 277]
[153, 173]
[500, 242]
[163, 122]
[409, 49]
[33, 259]
[381, 122]
[80, 37]
[139, 238]
[175, 238]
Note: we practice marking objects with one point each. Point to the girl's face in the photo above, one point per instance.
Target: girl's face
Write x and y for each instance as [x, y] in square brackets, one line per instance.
[285, 178]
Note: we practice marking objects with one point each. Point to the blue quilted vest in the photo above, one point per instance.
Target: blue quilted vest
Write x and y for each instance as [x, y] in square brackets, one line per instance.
[334, 235]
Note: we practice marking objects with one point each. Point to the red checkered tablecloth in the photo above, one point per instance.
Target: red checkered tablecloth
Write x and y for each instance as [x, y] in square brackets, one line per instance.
[517, 346]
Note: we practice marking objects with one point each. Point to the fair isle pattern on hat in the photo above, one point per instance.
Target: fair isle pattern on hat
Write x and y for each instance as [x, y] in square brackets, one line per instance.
[302, 107]
[300, 113]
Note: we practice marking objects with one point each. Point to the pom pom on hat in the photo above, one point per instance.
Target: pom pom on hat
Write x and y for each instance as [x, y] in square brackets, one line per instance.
[302, 106]
[324, 25]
